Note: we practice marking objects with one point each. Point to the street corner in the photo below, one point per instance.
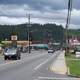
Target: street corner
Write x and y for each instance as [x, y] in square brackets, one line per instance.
[58, 70]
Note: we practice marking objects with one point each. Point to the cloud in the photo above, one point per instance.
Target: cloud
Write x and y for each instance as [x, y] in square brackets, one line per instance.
[11, 20]
[39, 4]
[21, 11]
[13, 10]
[42, 11]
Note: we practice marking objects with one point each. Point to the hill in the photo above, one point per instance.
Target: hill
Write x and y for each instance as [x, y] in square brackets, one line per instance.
[38, 32]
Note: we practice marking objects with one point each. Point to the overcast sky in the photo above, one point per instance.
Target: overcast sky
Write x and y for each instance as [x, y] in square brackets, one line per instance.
[42, 11]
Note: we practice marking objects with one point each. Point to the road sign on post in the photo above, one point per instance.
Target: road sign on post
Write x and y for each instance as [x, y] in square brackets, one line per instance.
[14, 37]
[14, 40]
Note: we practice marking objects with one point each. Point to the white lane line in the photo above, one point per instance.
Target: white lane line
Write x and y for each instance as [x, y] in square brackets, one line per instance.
[41, 64]
[35, 79]
[12, 62]
[56, 78]
[7, 63]
[37, 67]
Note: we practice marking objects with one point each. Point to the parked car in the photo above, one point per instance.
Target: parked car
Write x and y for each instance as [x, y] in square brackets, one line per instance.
[12, 53]
[77, 49]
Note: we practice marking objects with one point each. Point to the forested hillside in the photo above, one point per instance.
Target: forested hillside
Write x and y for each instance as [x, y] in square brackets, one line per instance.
[74, 33]
[38, 32]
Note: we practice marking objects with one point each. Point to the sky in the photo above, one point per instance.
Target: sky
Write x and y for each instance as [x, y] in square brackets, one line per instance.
[41, 11]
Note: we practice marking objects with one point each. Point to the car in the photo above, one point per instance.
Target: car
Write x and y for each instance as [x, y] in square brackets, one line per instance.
[77, 50]
[50, 51]
[12, 53]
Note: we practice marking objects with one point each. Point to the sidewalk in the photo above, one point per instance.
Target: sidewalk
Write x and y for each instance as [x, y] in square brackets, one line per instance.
[59, 66]
[1, 55]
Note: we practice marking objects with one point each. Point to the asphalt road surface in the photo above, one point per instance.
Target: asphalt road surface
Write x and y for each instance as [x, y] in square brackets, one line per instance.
[34, 66]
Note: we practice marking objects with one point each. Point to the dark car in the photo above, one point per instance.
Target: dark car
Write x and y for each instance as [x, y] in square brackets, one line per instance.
[12, 53]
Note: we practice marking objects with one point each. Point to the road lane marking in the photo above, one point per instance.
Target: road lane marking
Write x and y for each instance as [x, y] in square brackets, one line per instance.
[57, 78]
[37, 67]
[41, 64]
[12, 62]
[35, 79]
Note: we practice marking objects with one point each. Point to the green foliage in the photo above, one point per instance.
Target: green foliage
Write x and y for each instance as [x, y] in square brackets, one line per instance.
[38, 32]
[74, 67]
[74, 32]
[73, 64]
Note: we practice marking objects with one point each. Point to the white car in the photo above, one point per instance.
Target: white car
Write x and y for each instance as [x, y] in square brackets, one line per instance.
[77, 51]
[50, 51]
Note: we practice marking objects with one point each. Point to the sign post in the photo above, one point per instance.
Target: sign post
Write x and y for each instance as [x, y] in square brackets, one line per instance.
[14, 40]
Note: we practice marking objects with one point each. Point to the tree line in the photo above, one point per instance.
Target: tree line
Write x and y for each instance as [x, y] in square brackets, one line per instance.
[38, 32]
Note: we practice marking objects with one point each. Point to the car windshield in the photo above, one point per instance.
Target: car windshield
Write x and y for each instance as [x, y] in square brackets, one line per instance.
[11, 50]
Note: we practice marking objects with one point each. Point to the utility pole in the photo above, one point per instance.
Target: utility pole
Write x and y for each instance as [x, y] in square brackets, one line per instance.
[29, 33]
[68, 21]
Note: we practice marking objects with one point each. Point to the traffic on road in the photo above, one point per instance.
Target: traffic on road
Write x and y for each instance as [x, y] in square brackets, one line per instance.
[39, 40]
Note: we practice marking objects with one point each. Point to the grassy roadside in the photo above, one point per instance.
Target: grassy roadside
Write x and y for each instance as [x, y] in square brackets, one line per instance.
[73, 64]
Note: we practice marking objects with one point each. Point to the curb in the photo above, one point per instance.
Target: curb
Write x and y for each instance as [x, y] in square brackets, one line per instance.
[68, 71]
[74, 76]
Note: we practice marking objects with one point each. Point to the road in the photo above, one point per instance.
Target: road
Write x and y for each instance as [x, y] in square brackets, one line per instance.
[34, 66]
